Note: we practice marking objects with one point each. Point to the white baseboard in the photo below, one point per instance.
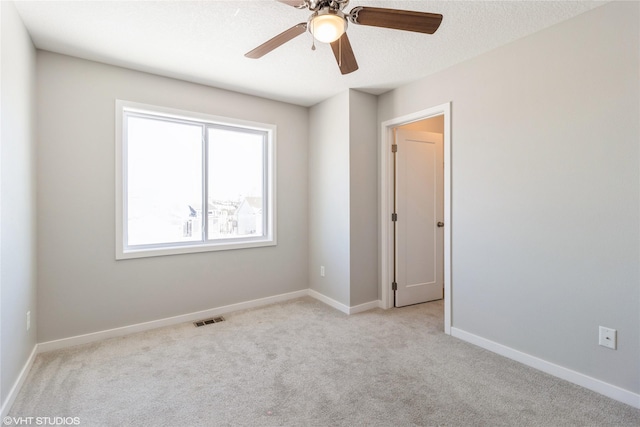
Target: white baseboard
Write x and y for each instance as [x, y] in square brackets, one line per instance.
[140, 327]
[365, 307]
[13, 393]
[344, 308]
[606, 389]
[331, 302]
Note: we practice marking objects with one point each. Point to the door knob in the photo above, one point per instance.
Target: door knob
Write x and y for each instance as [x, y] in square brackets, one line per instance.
[440, 224]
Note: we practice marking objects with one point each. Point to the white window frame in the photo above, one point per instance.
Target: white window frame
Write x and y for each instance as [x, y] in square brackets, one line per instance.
[268, 239]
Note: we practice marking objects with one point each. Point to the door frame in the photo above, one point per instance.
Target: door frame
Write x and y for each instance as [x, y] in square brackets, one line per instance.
[386, 204]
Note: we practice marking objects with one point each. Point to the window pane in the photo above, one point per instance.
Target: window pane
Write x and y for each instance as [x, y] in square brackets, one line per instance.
[236, 184]
[164, 177]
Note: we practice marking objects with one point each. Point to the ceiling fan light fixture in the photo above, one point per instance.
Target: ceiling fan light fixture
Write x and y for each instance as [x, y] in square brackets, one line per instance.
[328, 25]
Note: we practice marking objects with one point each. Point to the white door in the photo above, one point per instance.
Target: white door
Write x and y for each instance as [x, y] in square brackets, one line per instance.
[419, 240]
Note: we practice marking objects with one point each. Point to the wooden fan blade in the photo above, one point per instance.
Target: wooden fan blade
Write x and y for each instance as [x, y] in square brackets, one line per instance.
[277, 41]
[344, 55]
[298, 4]
[407, 20]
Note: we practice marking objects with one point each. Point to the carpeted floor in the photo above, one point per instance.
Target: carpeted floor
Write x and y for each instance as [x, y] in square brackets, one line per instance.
[302, 363]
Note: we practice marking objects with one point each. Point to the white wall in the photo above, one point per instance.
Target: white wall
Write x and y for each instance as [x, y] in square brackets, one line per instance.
[546, 191]
[329, 218]
[82, 288]
[17, 193]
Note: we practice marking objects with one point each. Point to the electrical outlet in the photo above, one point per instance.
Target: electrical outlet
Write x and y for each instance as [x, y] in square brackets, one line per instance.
[607, 337]
[28, 320]
[322, 271]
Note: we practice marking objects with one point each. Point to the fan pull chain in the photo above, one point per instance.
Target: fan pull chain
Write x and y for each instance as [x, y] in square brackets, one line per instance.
[340, 52]
[313, 37]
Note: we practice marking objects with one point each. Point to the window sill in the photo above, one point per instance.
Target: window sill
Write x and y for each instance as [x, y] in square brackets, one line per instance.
[190, 249]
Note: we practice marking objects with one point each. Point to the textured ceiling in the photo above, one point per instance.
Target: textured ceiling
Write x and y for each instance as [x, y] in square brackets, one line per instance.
[205, 41]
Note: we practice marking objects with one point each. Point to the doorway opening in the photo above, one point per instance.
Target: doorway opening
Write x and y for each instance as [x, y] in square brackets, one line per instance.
[436, 120]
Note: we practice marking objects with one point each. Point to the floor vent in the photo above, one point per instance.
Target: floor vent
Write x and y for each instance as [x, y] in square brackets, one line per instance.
[209, 321]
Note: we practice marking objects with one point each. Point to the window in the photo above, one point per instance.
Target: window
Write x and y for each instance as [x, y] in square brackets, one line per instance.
[189, 182]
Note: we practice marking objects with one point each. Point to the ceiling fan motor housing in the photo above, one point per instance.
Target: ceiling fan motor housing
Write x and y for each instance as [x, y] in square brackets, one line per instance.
[316, 5]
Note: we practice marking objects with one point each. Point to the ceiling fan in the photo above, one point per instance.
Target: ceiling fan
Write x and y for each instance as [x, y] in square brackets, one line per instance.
[328, 24]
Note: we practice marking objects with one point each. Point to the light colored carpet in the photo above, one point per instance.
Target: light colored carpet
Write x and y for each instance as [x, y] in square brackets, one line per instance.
[302, 363]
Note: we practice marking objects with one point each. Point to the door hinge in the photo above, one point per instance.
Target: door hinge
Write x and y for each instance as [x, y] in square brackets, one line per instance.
[394, 286]
[394, 148]
[394, 217]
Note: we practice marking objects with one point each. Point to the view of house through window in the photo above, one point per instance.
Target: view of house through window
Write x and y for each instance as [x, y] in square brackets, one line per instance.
[236, 171]
[193, 183]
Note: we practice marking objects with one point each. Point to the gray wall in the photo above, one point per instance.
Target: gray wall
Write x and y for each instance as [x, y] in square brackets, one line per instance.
[329, 219]
[82, 288]
[17, 195]
[546, 190]
[363, 177]
[343, 218]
